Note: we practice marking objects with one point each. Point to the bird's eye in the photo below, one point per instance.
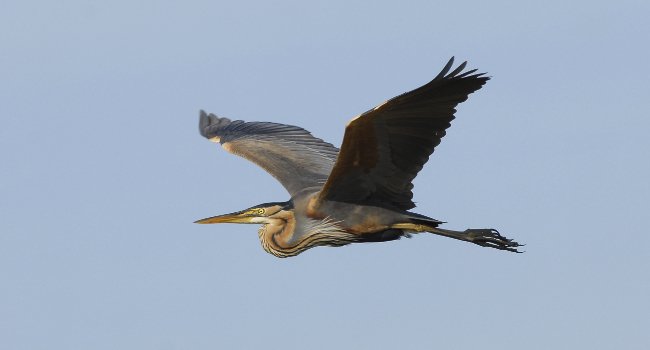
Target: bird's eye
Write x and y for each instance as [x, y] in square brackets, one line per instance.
[256, 211]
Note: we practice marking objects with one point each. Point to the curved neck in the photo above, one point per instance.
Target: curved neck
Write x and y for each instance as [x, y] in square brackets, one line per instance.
[283, 237]
[276, 234]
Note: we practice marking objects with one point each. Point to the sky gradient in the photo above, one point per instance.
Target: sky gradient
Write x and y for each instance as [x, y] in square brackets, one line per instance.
[103, 172]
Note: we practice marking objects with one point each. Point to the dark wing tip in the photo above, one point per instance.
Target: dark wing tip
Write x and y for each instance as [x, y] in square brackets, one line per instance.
[204, 121]
[210, 123]
[446, 69]
[458, 72]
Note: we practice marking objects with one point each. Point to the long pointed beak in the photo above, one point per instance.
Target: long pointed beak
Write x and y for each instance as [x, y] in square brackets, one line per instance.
[236, 218]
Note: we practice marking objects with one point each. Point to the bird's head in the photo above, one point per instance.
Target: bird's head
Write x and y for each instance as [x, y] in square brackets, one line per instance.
[258, 214]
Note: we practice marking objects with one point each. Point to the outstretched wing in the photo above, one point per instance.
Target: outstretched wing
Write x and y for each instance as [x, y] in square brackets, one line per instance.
[291, 154]
[385, 148]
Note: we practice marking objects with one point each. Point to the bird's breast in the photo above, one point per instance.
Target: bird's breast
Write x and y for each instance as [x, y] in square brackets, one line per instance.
[354, 218]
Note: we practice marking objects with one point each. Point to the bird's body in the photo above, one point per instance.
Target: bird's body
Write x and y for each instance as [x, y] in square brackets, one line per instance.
[361, 193]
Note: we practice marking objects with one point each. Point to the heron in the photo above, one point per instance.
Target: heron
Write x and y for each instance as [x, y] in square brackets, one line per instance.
[362, 192]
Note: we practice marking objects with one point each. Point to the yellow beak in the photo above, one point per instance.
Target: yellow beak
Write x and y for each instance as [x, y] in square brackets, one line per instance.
[234, 218]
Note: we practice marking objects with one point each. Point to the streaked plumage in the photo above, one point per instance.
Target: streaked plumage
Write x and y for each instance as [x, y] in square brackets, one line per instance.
[361, 193]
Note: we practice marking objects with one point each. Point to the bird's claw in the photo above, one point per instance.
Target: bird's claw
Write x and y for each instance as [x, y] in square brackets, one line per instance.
[493, 239]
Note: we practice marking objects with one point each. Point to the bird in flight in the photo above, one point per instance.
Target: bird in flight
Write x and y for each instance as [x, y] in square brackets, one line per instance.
[362, 192]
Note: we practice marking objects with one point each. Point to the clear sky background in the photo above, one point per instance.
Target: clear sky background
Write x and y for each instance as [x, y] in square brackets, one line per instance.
[102, 172]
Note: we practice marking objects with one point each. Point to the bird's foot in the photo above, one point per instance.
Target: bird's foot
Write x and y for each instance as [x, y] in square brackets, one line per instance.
[490, 237]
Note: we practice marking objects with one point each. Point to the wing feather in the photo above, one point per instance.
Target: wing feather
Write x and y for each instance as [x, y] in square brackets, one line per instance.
[384, 148]
[291, 154]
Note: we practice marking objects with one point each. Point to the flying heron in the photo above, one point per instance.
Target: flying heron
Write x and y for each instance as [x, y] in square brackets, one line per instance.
[362, 193]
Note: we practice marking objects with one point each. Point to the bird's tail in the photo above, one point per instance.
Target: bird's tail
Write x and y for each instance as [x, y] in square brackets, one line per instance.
[483, 237]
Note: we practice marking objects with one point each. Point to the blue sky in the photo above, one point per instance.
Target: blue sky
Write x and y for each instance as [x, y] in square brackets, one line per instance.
[103, 172]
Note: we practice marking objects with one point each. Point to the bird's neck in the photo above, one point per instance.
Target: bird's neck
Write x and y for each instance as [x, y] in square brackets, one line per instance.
[277, 233]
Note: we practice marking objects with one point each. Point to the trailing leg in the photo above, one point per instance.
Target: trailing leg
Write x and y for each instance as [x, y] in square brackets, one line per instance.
[487, 237]
[483, 237]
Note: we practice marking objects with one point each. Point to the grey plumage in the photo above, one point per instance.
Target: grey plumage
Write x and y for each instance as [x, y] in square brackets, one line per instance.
[290, 153]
